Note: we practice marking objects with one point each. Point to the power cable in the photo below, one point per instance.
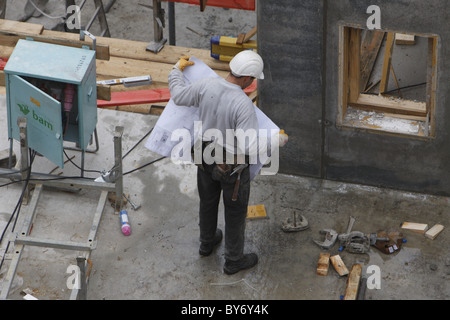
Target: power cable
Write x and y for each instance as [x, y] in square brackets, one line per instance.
[18, 207]
[84, 170]
[43, 13]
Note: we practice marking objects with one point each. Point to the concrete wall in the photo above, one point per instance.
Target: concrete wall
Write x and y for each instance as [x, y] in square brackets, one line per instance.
[290, 40]
[299, 41]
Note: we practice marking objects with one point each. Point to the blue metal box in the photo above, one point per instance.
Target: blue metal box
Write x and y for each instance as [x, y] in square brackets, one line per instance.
[37, 77]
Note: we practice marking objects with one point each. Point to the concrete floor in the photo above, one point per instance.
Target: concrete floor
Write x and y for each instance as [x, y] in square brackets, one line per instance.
[160, 259]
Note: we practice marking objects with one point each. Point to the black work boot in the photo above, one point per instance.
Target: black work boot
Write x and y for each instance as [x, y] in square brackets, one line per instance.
[207, 248]
[246, 262]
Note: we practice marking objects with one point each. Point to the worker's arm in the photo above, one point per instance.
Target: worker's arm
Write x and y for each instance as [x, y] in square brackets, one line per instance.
[182, 94]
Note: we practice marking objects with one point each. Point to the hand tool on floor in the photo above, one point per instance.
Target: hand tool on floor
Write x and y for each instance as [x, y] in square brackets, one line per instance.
[330, 238]
[359, 242]
[387, 242]
[297, 224]
[133, 205]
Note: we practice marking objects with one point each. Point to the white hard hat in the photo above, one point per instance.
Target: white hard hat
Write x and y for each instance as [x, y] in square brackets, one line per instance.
[247, 63]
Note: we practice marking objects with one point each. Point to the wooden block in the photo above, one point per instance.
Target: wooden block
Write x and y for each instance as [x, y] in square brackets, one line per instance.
[323, 264]
[339, 265]
[415, 227]
[351, 291]
[240, 38]
[256, 212]
[104, 92]
[434, 231]
[402, 38]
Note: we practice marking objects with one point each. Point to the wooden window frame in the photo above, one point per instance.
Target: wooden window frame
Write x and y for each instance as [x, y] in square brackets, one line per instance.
[351, 95]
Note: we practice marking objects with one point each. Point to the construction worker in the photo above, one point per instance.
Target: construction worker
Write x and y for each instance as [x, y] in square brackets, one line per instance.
[223, 105]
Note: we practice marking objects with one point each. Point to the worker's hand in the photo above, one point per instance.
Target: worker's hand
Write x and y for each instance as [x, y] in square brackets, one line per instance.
[183, 63]
[282, 138]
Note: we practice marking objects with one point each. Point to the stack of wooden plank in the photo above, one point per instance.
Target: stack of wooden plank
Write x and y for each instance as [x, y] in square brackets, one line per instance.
[116, 58]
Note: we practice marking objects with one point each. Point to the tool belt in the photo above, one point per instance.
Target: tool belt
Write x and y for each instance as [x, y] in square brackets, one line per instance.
[223, 167]
[225, 171]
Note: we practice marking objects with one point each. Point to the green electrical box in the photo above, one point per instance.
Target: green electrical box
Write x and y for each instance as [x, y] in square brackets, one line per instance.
[55, 88]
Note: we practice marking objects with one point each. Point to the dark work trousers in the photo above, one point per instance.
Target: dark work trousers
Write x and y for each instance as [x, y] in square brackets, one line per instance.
[210, 186]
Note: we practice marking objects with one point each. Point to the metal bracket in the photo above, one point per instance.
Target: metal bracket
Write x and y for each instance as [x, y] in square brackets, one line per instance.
[90, 35]
[158, 25]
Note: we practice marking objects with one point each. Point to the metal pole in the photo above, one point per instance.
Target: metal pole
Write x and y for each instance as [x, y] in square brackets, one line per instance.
[171, 23]
[81, 261]
[24, 159]
[117, 173]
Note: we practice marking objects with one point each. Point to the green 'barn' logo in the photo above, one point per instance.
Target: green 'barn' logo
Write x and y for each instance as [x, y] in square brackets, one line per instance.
[26, 110]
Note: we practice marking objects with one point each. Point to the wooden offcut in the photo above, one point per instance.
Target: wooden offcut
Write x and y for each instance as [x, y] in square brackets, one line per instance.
[256, 212]
[323, 264]
[387, 62]
[415, 227]
[354, 65]
[405, 39]
[370, 47]
[339, 265]
[390, 105]
[351, 292]
[434, 231]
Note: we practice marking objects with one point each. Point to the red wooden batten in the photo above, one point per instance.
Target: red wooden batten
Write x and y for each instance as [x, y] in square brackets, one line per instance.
[232, 4]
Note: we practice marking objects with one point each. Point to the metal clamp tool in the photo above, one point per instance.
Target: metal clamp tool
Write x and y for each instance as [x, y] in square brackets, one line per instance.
[330, 238]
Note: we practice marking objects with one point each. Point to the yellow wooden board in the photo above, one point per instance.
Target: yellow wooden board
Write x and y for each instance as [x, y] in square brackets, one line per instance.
[256, 212]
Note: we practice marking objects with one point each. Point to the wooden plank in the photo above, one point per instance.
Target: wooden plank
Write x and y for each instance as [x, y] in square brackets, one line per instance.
[415, 227]
[354, 62]
[434, 231]
[232, 4]
[6, 51]
[386, 104]
[351, 292]
[136, 97]
[339, 265]
[169, 54]
[60, 38]
[22, 27]
[118, 67]
[323, 264]
[250, 34]
[370, 47]
[387, 62]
